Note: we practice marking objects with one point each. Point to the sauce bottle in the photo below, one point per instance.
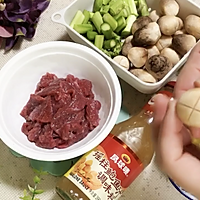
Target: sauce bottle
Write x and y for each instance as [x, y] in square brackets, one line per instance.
[107, 170]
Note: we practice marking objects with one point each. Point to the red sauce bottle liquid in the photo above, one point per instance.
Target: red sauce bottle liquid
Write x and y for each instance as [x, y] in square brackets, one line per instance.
[107, 170]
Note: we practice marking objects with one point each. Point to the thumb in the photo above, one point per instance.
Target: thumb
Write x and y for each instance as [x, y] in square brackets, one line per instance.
[159, 110]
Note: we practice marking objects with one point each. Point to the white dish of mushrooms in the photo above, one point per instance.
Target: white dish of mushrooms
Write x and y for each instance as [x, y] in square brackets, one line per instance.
[158, 42]
[158, 46]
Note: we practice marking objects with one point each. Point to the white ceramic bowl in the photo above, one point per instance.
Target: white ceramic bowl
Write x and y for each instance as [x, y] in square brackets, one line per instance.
[18, 79]
[66, 15]
[182, 191]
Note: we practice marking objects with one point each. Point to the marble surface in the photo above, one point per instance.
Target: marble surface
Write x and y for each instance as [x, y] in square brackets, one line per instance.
[16, 173]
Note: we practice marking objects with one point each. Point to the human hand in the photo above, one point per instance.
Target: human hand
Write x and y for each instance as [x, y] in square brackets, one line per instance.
[175, 154]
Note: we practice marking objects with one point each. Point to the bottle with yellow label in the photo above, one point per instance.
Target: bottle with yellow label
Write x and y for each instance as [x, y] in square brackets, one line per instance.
[107, 170]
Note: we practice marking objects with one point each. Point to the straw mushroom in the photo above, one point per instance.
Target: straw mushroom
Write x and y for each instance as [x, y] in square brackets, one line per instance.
[182, 31]
[152, 51]
[140, 22]
[143, 75]
[138, 56]
[122, 60]
[192, 25]
[158, 66]
[169, 7]
[147, 35]
[172, 56]
[127, 45]
[169, 24]
[182, 43]
[163, 42]
[154, 15]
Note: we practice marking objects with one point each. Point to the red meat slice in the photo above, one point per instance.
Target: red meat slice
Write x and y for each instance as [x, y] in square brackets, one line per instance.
[61, 112]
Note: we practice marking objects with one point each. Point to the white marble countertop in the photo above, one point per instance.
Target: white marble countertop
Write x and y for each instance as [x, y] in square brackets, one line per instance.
[16, 173]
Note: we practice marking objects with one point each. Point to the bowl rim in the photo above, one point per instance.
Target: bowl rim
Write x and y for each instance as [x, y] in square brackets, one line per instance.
[180, 190]
[117, 101]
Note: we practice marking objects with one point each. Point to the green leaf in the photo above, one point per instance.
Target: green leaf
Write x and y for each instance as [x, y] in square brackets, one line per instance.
[40, 172]
[26, 198]
[31, 189]
[36, 179]
[38, 191]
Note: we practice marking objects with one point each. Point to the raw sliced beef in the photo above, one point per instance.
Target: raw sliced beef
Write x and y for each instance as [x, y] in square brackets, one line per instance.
[61, 112]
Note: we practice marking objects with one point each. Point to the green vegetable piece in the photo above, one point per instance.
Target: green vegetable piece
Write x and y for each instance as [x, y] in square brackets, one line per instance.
[112, 2]
[78, 18]
[104, 9]
[91, 15]
[87, 16]
[97, 21]
[97, 5]
[91, 35]
[129, 22]
[107, 31]
[116, 37]
[98, 41]
[121, 24]
[106, 2]
[83, 28]
[123, 13]
[108, 52]
[116, 7]
[132, 7]
[117, 49]
[109, 44]
[110, 20]
[143, 8]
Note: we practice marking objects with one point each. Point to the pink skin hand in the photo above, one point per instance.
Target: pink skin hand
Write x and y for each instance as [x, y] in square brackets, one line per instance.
[175, 154]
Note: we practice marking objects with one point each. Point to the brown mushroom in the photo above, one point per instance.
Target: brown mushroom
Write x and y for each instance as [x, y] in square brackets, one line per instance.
[173, 57]
[127, 45]
[192, 25]
[147, 35]
[182, 43]
[163, 42]
[169, 24]
[182, 31]
[153, 50]
[140, 22]
[154, 15]
[143, 75]
[138, 56]
[158, 66]
[169, 7]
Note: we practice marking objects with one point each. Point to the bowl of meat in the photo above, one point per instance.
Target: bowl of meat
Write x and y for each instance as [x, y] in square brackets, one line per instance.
[58, 100]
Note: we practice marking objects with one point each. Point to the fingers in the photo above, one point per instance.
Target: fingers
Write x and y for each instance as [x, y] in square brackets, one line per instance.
[181, 166]
[170, 140]
[195, 132]
[189, 73]
[159, 108]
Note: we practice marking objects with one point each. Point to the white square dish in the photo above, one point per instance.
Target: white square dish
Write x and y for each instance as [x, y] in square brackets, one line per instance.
[66, 15]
